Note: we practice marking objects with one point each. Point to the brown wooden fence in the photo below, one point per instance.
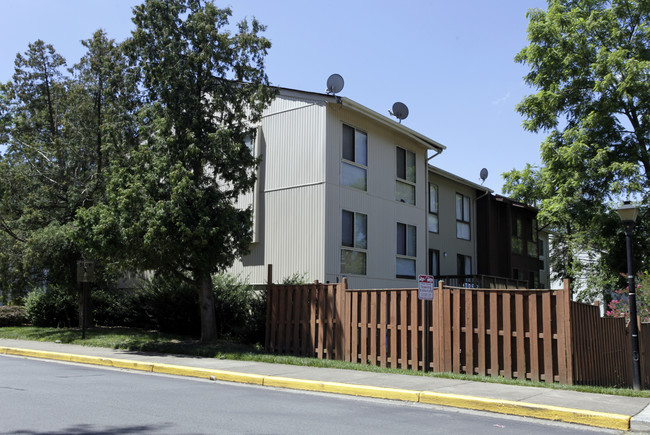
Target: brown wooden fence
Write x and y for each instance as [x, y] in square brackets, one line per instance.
[516, 333]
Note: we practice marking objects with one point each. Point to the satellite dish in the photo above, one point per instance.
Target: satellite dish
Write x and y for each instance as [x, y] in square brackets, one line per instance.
[483, 175]
[400, 111]
[334, 84]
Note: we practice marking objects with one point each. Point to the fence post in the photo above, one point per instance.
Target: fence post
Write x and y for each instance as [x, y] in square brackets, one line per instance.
[437, 339]
[269, 311]
[341, 333]
[568, 333]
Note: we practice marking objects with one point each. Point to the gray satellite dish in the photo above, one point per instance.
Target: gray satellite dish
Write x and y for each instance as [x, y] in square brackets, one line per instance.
[400, 111]
[483, 175]
[334, 84]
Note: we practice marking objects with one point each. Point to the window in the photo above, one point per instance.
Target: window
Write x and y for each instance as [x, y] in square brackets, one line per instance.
[434, 262]
[354, 242]
[354, 167]
[464, 266]
[405, 183]
[406, 251]
[462, 217]
[517, 236]
[433, 209]
[533, 250]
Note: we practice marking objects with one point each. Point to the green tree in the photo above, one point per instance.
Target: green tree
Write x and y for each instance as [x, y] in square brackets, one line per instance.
[171, 200]
[60, 130]
[589, 62]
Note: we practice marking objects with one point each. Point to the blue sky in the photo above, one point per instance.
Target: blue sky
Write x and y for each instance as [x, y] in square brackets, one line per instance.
[450, 62]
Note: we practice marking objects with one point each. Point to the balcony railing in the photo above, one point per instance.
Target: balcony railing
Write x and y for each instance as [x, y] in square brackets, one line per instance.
[481, 281]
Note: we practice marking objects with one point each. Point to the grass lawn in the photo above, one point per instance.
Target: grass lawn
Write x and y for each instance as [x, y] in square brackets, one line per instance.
[156, 342]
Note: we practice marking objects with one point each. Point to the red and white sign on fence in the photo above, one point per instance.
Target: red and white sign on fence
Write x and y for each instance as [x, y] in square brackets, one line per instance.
[426, 283]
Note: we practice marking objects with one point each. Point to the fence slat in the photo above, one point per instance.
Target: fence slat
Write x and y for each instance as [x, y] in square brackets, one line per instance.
[404, 328]
[356, 327]
[416, 319]
[533, 337]
[469, 333]
[383, 337]
[521, 335]
[494, 312]
[392, 331]
[456, 325]
[373, 328]
[547, 332]
[506, 312]
[364, 328]
[480, 320]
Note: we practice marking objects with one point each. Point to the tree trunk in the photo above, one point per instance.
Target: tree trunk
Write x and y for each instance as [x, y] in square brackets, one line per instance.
[206, 305]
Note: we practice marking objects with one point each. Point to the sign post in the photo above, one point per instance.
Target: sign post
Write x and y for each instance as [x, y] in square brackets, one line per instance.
[85, 276]
[426, 284]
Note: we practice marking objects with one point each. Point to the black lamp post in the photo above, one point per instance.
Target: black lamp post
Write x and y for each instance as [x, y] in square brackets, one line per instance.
[628, 214]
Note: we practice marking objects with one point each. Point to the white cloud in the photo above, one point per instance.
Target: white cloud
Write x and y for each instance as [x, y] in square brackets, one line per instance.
[501, 100]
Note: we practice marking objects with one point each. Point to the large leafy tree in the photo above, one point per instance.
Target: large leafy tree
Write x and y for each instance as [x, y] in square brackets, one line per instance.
[60, 128]
[171, 199]
[589, 62]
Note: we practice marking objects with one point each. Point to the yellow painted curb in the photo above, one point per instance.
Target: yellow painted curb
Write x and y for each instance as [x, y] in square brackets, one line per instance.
[338, 388]
[208, 374]
[523, 409]
[36, 353]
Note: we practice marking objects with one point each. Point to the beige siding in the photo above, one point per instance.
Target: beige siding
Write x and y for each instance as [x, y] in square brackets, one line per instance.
[294, 137]
[445, 240]
[290, 206]
[378, 203]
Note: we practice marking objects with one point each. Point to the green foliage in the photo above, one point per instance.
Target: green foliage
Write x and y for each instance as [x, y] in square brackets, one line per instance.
[60, 127]
[12, 315]
[241, 310]
[296, 278]
[55, 307]
[589, 65]
[170, 202]
[170, 306]
[118, 307]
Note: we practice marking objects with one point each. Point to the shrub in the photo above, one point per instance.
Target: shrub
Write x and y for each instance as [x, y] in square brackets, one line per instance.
[118, 307]
[13, 315]
[240, 309]
[295, 279]
[54, 307]
[170, 305]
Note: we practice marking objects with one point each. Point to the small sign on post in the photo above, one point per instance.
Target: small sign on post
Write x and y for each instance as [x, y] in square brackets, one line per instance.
[85, 271]
[426, 283]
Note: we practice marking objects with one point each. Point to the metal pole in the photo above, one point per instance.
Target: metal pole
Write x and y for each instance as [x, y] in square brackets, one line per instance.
[634, 326]
[426, 335]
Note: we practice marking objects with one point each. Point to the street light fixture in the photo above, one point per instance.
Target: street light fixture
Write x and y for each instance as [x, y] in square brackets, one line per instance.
[628, 214]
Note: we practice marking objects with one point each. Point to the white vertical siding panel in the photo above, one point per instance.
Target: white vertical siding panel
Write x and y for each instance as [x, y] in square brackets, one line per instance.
[295, 228]
[295, 139]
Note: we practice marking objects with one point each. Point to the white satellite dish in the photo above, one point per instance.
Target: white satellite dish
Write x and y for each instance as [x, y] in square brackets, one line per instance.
[483, 175]
[400, 111]
[334, 84]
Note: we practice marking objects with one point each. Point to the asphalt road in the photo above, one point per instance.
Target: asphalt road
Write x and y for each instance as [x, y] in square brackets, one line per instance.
[38, 397]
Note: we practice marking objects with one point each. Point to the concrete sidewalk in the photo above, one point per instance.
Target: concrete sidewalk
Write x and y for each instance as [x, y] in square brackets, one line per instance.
[613, 412]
